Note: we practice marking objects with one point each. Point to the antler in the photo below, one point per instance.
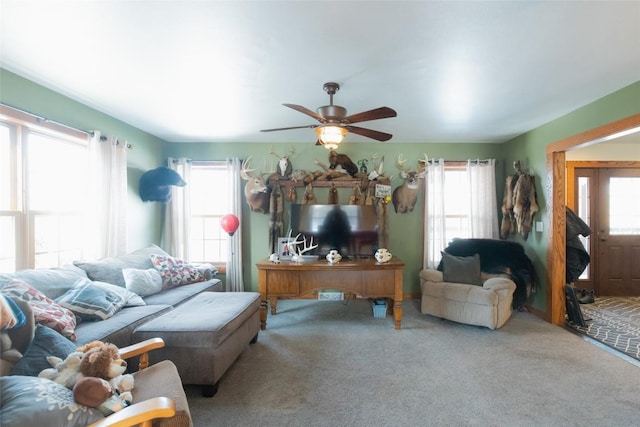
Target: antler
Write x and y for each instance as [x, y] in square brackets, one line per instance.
[401, 163]
[422, 163]
[286, 156]
[304, 244]
[244, 172]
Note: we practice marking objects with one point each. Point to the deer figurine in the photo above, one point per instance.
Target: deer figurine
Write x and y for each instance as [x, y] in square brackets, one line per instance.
[405, 196]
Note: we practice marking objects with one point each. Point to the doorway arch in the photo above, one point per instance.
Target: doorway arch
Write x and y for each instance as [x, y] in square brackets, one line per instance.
[556, 174]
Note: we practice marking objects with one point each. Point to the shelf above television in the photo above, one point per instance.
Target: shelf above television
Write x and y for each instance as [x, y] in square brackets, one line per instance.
[339, 183]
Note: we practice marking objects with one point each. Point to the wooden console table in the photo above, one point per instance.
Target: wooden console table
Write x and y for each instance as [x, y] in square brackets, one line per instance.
[363, 277]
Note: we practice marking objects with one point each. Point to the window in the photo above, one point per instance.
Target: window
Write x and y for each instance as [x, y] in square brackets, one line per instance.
[460, 202]
[42, 190]
[210, 201]
[456, 208]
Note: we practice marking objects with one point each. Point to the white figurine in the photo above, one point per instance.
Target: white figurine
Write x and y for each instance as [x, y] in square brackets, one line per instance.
[383, 255]
[333, 257]
[274, 258]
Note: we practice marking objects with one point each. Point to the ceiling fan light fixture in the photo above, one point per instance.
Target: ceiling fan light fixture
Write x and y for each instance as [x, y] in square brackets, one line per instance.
[331, 136]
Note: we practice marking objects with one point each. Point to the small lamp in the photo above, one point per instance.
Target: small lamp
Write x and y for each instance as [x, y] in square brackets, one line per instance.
[229, 223]
[330, 136]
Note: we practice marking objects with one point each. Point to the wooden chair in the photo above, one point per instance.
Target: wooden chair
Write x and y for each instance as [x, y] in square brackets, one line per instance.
[150, 381]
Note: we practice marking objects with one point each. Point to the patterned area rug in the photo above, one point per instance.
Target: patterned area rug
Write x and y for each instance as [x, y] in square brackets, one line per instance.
[615, 321]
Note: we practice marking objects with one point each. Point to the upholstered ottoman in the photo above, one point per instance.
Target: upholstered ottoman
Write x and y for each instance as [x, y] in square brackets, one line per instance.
[205, 335]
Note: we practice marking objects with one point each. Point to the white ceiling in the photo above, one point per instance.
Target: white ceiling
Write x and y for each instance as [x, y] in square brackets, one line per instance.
[218, 71]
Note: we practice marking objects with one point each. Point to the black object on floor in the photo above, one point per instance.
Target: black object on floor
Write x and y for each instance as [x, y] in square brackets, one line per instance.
[574, 313]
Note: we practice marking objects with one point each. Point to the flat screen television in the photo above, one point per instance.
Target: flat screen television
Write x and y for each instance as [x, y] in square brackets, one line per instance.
[351, 229]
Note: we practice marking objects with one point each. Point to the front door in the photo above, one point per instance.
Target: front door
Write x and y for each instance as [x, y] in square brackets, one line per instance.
[618, 232]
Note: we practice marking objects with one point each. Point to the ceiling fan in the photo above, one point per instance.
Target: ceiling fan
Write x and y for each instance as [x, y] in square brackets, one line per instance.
[335, 124]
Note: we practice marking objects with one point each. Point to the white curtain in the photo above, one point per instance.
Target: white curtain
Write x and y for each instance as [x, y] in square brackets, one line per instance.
[434, 220]
[178, 212]
[235, 280]
[108, 166]
[479, 189]
[483, 207]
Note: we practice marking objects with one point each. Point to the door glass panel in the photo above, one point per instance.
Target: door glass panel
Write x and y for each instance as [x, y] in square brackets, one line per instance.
[584, 212]
[624, 205]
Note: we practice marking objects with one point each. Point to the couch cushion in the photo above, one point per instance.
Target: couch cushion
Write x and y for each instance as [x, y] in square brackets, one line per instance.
[204, 321]
[176, 296]
[109, 269]
[46, 342]
[142, 282]
[460, 292]
[32, 401]
[46, 311]
[457, 269]
[91, 303]
[119, 328]
[52, 282]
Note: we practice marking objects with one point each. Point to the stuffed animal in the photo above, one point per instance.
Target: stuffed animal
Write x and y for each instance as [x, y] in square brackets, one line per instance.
[89, 346]
[122, 383]
[65, 372]
[97, 393]
[9, 355]
[103, 362]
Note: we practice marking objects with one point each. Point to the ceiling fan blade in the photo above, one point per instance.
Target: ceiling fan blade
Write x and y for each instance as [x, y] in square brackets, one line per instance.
[306, 111]
[291, 127]
[375, 114]
[369, 133]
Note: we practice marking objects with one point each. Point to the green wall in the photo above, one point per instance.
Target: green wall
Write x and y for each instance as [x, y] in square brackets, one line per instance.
[530, 149]
[144, 218]
[405, 230]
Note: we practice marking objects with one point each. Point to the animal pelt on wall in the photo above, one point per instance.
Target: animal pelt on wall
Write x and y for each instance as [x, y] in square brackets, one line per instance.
[524, 203]
[519, 203]
[500, 257]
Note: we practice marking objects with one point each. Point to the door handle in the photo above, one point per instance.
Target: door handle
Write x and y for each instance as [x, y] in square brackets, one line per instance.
[603, 235]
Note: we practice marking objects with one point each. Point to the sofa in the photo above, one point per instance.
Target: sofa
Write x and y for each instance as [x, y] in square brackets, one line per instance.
[462, 293]
[137, 310]
[141, 295]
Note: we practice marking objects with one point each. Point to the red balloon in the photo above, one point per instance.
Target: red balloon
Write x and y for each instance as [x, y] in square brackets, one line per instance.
[229, 223]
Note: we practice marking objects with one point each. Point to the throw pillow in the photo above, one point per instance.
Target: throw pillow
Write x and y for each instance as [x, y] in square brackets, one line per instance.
[110, 269]
[10, 314]
[90, 302]
[458, 269]
[142, 282]
[33, 401]
[176, 272]
[131, 299]
[46, 342]
[45, 311]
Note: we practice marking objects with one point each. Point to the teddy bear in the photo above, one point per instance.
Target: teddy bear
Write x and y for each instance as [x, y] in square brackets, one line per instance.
[65, 372]
[103, 361]
[97, 393]
[9, 355]
[88, 346]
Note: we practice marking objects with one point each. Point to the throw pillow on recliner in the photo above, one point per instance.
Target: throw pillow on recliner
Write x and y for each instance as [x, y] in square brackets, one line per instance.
[458, 269]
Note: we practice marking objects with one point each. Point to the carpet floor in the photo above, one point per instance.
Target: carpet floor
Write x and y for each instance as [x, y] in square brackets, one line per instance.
[613, 321]
[331, 363]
